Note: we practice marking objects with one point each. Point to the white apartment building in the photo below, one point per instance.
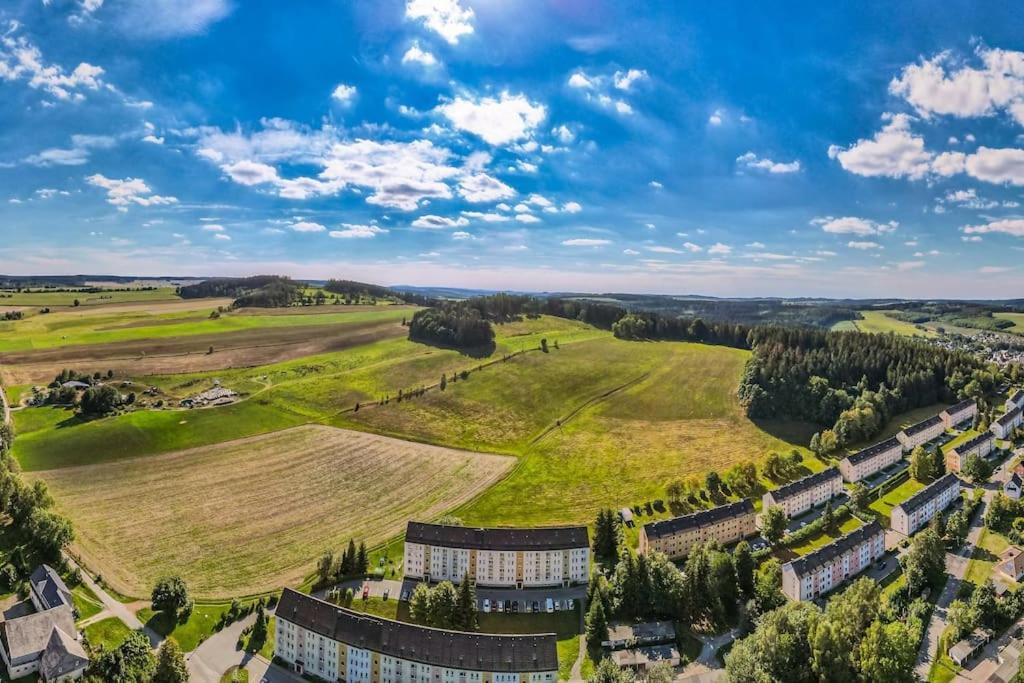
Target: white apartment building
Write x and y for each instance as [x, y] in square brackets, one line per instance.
[820, 571]
[864, 463]
[516, 558]
[980, 445]
[916, 511]
[314, 637]
[921, 433]
[803, 494]
[959, 413]
[1004, 426]
[674, 537]
[1016, 400]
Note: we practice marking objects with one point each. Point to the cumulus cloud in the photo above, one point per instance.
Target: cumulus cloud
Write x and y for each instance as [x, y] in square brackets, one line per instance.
[851, 225]
[1008, 226]
[585, 242]
[564, 134]
[751, 160]
[624, 80]
[498, 120]
[355, 231]
[655, 185]
[659, 249]
[481, 187]
[171, 18]
[572, 207]
[488, 217]
[432, 222]
[462, 235]
[20, 60]
[307, 226]
[756, 245]
[344, 94]
[863, 246]
[213, 227]
[75, 155]
[447, 18]
[417, 55]
[527, 218]
[997, 165]
[692, 248]
[125, 192]
[250, 172]
[630, 252]
[599, 89]
[717, 117]
[893, 152]
[720, 249]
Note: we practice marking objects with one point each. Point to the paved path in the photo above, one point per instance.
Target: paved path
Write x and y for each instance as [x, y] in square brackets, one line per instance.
[219, 652]
[113, 607]
[6, 406]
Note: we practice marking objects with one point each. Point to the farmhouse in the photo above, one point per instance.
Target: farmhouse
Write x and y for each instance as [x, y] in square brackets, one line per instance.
[1016, 400]
[921, 433]
[980, 445]
[959, 413]
[818, 572]
[803, 494]
[675, 537]
[1011, 563]
[866, 462]
[542, 556]
[317, 638]
[44, 642]
[914, 513]
[1006, 423]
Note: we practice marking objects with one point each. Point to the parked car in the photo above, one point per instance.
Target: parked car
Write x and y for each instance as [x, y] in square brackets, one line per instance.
[487, 606]
[404, 596]
[572, 604]
[387, 593]
[366, 592]
[536, 606]
[515, 606]
[549, 605]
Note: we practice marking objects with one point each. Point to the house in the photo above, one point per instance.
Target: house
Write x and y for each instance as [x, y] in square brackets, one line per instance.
[642, 658]
[45, 643]
[500, 557]
[48, 590]
[621, 635]
[1011, 563]
[921, 433]
[866, 462]
[821, 570]
[980, 445]
[970, 646]
[1006, 423]
[315, 638]
[803, 494]
[914, 512]
[1013, 485]
[675, 537]
[958, 414]
[1016, 400]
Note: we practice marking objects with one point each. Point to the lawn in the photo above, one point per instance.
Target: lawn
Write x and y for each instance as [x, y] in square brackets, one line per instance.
[250, 516]
[235, 675]
[877, 322]
[820, 540]
[985, 556]
[200, 625]
[884, 505]
[109, 633]
[86, 603]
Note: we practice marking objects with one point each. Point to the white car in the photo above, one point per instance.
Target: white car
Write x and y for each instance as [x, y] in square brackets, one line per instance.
[487, 606]
[550, 605]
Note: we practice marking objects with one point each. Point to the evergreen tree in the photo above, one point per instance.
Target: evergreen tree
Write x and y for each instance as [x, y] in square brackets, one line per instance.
[596, 626]
[467, 613]
[170, 663]
[362, 563]
[419, 604]
[743, 563]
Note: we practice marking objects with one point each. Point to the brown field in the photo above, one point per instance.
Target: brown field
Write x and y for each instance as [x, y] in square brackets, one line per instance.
[251, 515]
[171, 355]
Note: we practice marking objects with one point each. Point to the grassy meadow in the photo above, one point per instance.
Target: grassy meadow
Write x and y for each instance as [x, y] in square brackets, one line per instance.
[877, 322]
[10, 297]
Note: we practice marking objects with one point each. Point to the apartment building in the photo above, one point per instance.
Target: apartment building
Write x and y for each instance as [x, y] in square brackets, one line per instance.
[958, 414]
[980, 445]
[914, 513]
[1016, 400]
[316, 638]
[866, 462]
[803, 494]
[506, 557]
[818, 572]
[921, 433]
[674, 537]
[1005, 424]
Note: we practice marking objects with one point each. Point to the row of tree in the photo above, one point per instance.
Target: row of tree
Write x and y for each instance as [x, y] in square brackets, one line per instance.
[353, 561]
[445, 606]
[133, 662]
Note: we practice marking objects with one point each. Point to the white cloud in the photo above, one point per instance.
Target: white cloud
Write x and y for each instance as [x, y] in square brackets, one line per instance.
[585, 242]
[624, 80]
[354, 231]
[572, 207]
[432, 222]
[751, 160]
[719, 249]
[75, 155]
[756, 245]
[153, 139]
[462, 235]
[213, 227]
[307, 226]
[692, 248]
[598, 89]
[1007, 226]
[997, 165]
[250, 173]
[498, 120]
[655, 184]
[344, 94]
[864, 245]
[171, 18]
[630, 252]
[825, 253]
[447, 18]
[717, 117]
[658, 249]
[21, 60]
[894, 152]
[481, 187]
[971, 238]
[430, 254]
[527, 218]
[122, 193]
[580, 80]
[417, 55]
[564, 134]
[851, 225]
[539, 200]
[486, 217]
[221, 236]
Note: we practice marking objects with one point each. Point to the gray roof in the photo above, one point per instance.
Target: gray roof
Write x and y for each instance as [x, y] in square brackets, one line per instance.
[813, 560]
[871, 451]
[808, 482]
[422, 644]
[1009, 416]
[667, 527]
[1017, 396]
[536, 538]
[46, 582]
[645, 631]
[30, 634]
[923, 425]
[974, 442]
[929, 492]
[959, 407]
[63, 655]
[970, 644]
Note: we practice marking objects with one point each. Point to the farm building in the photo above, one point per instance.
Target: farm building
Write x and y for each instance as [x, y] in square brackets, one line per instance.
[1006, 423]
[316, 638]
[921, 433]
[980, 445]
[675, 537]
[541, 556]
[958, 414]
[803, 494]
[866, 462]
[818, 572]
[914, 513]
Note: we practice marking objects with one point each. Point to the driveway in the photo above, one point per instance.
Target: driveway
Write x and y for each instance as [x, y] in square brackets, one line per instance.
[218, 653]
[113, 607]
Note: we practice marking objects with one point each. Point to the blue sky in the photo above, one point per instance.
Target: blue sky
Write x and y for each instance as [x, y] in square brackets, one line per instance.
[729, 149]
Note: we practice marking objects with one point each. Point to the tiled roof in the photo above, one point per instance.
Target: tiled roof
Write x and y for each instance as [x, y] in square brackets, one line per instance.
[667, 527]
[1017, 396]
[1008, 417]
[30, 634]
[536, 538]
[974, 442]
[871, 451]
[813, 560]
[959, 407]
[923, 425]
[933, 490]
[421, 644]
[808, 482]
[49, 586]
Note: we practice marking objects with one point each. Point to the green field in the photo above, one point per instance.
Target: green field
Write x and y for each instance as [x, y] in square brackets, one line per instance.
[877, 322]
[10, 297]
[108, 633]
[1017, 318]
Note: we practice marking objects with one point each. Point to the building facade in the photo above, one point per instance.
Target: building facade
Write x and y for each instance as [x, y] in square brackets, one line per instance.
[1006, 423]
[916, 511]
[803, 494]
[818, 572]
[958, 414]
[864, 463]
[513, 558]
[317, 638]
[921, 433]
[980, 445]
[1016, 400]
[674, 537]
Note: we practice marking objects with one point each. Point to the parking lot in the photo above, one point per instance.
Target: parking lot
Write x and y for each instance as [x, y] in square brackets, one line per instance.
[515, 601]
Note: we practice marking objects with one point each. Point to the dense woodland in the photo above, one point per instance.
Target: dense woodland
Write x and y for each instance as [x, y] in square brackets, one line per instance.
[457, 326]
[258, 290]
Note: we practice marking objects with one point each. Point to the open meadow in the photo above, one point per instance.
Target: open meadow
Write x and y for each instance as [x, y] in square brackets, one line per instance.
[877, 322]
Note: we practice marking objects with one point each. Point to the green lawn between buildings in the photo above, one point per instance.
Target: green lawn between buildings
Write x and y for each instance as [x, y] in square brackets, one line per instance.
[108, 633]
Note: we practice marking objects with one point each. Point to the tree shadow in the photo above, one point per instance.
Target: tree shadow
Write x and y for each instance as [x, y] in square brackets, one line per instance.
[478, 352]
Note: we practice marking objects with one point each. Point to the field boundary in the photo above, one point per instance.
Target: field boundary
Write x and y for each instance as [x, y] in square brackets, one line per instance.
[586, 404]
